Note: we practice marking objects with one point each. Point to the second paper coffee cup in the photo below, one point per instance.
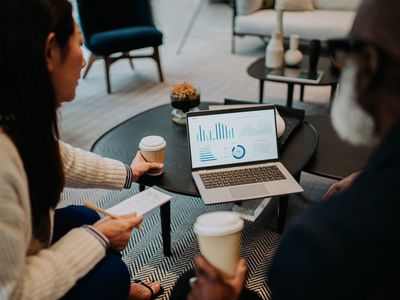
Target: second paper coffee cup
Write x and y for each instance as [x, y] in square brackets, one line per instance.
[218, 234]
[152, 148]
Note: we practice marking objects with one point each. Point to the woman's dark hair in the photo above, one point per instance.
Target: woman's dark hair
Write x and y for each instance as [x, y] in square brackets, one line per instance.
[27, 99]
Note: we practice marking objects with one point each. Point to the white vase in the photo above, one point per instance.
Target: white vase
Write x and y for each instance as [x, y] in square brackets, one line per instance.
[293, 56]
[274, 52]
[279, 20]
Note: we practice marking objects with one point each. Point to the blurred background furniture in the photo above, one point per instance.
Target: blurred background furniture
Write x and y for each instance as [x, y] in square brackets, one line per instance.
[334, 158]
[190, 26]
[330, 78]
[118, 27]
[328, 19]
[195, 14]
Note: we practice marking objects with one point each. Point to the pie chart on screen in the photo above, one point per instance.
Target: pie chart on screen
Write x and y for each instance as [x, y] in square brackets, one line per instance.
[238, 151]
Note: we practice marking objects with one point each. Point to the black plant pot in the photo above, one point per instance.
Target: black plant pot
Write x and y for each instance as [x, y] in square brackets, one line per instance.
[186, 103]
[182, 106]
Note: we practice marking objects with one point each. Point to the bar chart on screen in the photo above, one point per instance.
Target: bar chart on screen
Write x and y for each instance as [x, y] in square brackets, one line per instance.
[206, 154]
[218, 132]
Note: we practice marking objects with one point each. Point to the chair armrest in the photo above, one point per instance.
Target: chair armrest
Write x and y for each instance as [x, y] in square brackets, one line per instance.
[246, 7]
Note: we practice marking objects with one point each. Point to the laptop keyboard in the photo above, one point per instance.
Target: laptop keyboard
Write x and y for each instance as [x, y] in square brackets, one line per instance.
[241, 176]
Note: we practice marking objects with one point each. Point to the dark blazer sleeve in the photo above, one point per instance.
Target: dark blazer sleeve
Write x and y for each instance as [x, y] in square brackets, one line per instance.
[298, 270]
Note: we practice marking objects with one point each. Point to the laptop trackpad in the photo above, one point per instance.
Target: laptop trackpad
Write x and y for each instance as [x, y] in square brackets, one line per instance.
[247, 191]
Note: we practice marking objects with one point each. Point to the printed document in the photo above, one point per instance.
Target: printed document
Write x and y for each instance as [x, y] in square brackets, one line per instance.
[141, 203]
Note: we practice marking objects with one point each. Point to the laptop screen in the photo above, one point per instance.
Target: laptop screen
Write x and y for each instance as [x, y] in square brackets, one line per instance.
[234, 137]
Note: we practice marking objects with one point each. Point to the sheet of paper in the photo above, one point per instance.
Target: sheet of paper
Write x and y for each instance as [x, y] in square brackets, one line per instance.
[229, 106]
[141, 203]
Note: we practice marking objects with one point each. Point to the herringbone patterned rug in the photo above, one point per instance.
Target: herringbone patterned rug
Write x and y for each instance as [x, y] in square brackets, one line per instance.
[144, 254]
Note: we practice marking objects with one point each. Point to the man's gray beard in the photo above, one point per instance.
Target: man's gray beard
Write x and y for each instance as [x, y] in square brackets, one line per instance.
[350, 121]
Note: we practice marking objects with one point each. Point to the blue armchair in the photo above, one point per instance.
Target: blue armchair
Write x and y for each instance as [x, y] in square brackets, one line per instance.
[118, 26]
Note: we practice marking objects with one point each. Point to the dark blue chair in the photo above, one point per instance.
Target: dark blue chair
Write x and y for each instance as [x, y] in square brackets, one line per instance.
[118, 26]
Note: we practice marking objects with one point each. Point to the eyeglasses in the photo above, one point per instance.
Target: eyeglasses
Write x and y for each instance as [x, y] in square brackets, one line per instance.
[340, 50]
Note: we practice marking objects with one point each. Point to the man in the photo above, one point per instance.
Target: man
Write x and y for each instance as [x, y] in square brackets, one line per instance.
[347, 247]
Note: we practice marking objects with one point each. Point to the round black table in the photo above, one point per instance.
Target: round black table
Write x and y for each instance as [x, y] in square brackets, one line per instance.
[121, 143]
[334, 158]
[259, 71]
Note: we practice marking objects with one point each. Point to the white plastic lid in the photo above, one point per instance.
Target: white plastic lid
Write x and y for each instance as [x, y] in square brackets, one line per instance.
[218, 223]
[152, 143]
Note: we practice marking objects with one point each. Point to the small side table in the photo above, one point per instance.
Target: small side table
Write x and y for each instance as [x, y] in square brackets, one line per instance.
[259, 71]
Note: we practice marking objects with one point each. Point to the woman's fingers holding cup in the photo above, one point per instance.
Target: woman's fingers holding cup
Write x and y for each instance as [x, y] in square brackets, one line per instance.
[139, 157]
[140, 166]
[152, 165]
[152, 150]
[155, 165]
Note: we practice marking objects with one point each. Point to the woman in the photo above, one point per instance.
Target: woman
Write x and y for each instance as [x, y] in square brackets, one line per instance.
[48, 253]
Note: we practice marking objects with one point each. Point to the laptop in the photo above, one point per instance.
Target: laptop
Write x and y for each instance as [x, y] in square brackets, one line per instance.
[234, 155]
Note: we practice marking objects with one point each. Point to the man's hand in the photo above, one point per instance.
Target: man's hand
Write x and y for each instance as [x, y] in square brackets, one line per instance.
[341, 185]
[118, 231]
[210, 285]
[140, 166]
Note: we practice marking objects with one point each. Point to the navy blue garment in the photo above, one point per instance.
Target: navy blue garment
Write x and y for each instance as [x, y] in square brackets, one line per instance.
[347, 247]
[110, 278]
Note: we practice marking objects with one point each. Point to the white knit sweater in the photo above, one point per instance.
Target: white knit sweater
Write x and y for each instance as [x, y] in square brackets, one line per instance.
[48, 272]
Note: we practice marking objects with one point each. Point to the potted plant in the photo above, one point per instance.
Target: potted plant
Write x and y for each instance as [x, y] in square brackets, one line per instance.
[184, 96]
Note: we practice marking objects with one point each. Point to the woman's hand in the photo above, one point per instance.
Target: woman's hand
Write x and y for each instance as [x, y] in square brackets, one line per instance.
[341, 185]
[139, 166]
[210, 285]
[118, 231]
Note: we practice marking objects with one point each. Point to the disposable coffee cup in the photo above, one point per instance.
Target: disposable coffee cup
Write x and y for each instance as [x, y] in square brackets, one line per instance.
[152, 148]
[218, 234]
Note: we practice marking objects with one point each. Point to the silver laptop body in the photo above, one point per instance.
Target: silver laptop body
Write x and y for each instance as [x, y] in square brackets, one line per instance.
[225, 146]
